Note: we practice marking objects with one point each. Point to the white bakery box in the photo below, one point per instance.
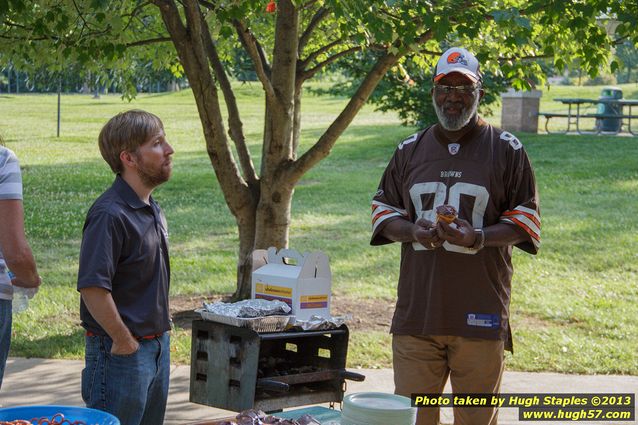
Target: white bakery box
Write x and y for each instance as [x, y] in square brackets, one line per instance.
[303, 281]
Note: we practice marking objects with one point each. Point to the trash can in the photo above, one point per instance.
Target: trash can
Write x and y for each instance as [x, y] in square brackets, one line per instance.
[609, 107]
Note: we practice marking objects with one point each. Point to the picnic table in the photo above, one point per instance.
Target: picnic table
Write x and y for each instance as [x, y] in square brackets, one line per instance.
[577, 113]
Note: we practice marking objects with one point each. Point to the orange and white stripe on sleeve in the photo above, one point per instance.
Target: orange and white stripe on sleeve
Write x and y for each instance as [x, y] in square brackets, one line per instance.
[382, 212]
[526, 218]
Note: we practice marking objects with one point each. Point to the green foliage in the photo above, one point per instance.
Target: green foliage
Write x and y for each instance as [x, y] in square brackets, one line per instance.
[73, 78]
[606, 79]
[406, 89]
[627, 53]
[242, 66]
[513, 40]
[88, 37]
[99, 35]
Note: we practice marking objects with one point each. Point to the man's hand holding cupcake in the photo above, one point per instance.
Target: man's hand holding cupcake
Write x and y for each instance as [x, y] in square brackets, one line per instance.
[453, 229]
[425, 233]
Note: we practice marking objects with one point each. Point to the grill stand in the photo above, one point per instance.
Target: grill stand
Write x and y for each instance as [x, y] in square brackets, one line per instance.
[237, 369]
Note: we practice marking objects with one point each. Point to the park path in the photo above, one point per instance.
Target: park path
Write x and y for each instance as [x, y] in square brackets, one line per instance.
[48, 381]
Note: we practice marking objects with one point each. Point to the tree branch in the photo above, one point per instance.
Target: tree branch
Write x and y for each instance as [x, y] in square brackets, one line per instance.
[79, 12]
[149, 41]
[193, 19]
[262, 68]
[13, 24]
[138, 8]
[307, 4]
[322, 148]
[388, 13]
[208, 5]
[529, 57]
[6, 37]
[319, 16]
[235, 126]
[133, 14]
[284, 74]
[323, 49]
[620, 40]
[430, 52]
[191, 51]
[312, 71]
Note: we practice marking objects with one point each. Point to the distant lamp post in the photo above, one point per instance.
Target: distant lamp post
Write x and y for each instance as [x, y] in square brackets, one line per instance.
[59, 95]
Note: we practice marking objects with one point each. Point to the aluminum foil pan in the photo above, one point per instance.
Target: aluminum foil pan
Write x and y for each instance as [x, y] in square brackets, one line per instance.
[316, 323]
[258, 315]
[257, 324]
[249, 308]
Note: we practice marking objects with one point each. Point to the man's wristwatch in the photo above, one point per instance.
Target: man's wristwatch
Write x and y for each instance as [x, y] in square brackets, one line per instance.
[479, 241]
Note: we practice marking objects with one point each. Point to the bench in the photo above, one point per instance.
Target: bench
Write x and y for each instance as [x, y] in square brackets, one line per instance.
[608, 116]
[574, 119]
[549, 115]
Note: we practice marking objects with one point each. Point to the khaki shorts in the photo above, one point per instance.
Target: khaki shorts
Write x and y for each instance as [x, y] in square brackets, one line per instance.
[422, 364]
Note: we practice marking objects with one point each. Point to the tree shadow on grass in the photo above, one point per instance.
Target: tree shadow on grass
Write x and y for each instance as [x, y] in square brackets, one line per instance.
[52, 346]
[342, 185]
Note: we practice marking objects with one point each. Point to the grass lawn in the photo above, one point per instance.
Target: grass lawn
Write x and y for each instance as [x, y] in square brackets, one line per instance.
[574, 305]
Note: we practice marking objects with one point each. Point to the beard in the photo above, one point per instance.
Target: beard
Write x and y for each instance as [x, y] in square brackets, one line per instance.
[455, 123]
[150, 176]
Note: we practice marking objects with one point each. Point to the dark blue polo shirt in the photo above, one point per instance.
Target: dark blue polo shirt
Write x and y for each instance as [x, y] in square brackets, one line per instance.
[125, 251]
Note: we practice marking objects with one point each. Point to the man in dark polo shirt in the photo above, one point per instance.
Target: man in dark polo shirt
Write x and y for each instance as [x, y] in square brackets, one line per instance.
[124, 276]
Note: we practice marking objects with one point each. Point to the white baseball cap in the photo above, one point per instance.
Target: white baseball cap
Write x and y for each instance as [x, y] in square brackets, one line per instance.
[457, 59]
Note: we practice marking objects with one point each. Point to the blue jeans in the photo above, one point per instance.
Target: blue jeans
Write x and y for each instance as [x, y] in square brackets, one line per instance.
[133, 387]
[5, 334]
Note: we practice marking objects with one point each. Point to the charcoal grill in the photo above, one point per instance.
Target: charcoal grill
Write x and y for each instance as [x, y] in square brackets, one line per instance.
[237, 368]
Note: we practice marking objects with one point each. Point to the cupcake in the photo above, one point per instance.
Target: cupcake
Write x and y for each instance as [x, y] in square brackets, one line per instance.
[446, 213]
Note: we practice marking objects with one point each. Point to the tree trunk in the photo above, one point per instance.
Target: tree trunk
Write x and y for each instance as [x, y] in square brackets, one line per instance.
[273, 215]
[264, 226]
[173, 86]
[240, 197]
[296, 132]
[261, 206]
[246, 227]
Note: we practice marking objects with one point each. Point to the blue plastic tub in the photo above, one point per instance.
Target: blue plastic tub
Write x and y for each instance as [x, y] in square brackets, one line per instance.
[72, 413]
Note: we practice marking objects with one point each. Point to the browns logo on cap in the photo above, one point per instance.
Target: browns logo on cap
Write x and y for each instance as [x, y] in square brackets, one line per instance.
[457, 59]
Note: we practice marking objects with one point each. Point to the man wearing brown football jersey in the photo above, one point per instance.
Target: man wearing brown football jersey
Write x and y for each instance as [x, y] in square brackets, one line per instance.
[452, 312]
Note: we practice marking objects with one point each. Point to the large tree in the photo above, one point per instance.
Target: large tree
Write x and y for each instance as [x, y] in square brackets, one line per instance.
[289, 42]
[628, 55]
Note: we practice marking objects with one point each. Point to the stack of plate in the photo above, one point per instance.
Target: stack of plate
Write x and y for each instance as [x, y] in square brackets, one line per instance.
[377, 409]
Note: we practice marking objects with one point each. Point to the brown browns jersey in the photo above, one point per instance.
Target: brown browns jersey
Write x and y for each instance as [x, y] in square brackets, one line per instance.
[487, 176]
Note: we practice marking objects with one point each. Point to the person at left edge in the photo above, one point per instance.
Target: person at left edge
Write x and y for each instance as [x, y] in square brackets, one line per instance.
[15, 252]
[124, 276]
